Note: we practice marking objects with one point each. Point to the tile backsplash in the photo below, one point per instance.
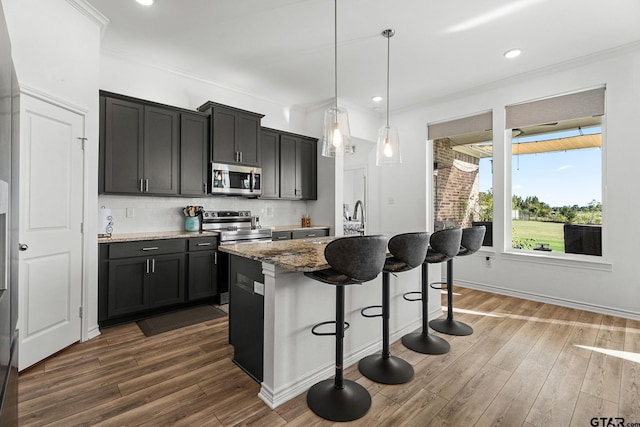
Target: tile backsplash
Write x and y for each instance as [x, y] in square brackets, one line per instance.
[132, 214]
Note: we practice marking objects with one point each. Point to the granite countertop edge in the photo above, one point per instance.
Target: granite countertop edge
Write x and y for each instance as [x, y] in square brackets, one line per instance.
[158, 235]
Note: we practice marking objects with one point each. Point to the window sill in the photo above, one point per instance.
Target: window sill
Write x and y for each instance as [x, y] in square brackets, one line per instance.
[558, 259]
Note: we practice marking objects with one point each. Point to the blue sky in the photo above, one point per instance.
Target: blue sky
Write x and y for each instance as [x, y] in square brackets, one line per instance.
[560, 178]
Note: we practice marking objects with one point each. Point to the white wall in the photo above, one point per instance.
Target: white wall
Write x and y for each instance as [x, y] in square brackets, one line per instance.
[55, 49]
[609, 284]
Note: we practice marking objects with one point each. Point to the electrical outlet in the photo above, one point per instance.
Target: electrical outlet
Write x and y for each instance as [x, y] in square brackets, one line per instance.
[131, 212]
[487, 261]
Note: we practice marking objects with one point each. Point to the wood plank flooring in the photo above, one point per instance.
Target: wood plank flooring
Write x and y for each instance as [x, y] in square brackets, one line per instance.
[527, 364]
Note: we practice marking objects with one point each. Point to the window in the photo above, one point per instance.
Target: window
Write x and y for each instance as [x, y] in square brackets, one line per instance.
[556, 177]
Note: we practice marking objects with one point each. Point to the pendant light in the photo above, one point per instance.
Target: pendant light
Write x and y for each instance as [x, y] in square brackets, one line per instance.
[337, 136]
[388, 150]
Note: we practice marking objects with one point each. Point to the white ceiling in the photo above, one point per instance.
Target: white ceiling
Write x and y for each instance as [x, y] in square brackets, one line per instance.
[283, 49]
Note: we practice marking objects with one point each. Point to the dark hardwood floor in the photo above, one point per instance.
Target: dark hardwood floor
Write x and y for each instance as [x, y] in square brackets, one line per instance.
[527, 364]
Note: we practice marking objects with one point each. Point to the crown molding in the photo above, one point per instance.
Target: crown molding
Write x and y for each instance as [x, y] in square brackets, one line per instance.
[92, 13]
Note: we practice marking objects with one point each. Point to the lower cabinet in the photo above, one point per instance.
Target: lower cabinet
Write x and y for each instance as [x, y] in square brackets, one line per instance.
[140, 278]
[203, 273]
[138, 284]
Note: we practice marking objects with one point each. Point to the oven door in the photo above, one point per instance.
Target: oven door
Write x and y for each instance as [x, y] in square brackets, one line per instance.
[234, 180]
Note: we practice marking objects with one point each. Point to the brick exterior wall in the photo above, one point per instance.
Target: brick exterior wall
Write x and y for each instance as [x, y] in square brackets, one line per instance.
[455, 191]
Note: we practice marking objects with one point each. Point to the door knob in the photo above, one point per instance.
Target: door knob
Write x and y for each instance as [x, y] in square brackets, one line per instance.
[23, 246]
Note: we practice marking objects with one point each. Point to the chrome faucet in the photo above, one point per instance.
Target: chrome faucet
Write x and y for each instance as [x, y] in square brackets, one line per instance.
[355, 215]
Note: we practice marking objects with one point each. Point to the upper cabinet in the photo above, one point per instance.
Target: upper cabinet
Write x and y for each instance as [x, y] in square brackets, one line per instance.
[149, 148]
[194, 154]
[235, 134]
[289, 165]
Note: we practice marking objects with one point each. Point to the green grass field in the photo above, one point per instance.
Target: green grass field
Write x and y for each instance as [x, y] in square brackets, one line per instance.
[542, 232]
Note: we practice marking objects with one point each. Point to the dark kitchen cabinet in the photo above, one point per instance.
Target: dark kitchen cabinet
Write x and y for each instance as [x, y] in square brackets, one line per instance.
[161, 151]
[203, 268]
[140, 148]
[142, 283]
[194, 154]
[270, 161]
[298, 165]
[122, 145]
[235, 134]
[138, 277]
[289, 165]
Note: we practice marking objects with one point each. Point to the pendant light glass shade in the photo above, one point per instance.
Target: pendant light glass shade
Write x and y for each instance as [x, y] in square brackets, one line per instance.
[388, 152]
[337, 135]
[388, 148]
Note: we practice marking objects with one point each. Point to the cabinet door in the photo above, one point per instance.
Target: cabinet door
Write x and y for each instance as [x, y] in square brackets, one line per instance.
[127, 292]
[306, 164]
[166, 280]
[223, 124]
[203, 275]
[161, 151]
[270, 162]
[288, 188]
[194, 144]
[248, 142]
[123, 153]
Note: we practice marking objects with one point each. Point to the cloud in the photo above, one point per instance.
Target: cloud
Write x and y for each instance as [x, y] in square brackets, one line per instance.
[561, 168]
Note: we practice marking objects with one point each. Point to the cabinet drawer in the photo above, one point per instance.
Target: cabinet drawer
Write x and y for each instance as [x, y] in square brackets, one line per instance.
[146, 248]
[303, 234]
[280, 235]
[203, 243]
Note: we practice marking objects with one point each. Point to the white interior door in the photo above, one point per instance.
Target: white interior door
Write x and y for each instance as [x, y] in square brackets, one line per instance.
[51, 213]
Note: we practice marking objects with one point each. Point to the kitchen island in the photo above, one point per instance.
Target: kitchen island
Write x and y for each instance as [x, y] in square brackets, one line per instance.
[292, 358]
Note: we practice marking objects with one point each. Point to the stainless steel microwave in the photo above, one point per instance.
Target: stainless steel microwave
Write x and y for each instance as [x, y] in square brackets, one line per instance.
[235, 180]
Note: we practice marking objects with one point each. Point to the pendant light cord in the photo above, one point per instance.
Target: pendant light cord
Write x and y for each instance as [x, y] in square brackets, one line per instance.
[335, 53]
[388, 67]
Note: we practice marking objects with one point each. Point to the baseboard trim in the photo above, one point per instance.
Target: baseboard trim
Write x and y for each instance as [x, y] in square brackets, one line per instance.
[549, 299]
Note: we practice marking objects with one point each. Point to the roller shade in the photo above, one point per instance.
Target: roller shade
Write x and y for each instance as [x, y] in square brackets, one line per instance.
[477, 123]
[559, 108]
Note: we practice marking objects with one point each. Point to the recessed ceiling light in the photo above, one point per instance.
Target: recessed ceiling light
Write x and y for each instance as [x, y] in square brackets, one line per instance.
[513, 53]
[145, 2]
[376, 98]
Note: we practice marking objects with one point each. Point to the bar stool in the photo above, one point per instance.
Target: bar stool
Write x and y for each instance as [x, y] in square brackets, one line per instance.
[353, 260]
[471, 242]
[408, 251]
[443, 246]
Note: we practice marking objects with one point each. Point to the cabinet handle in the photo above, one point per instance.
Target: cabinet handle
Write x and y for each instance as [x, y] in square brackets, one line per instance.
[141, 190]
[152, 248]
[153, 265]
[146, 185]
[147, 265]
[215, 257]
[311, 235]
[204, 187]
[281, 237]
[241, 157]
[204, 244]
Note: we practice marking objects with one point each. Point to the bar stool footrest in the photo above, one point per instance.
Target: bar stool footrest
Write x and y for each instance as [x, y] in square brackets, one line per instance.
[438, 285]
[408, 296]
[377, 313]
[330, 322]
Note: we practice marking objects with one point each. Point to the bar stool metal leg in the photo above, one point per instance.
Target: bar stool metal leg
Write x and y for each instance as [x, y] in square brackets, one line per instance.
[338, 399]
[423, 342]
[450, 326]
[385, 368]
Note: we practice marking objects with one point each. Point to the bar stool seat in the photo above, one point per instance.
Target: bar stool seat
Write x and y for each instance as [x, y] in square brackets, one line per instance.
[408, 251]
[471, 242]
[353, 260]
[443, 245]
